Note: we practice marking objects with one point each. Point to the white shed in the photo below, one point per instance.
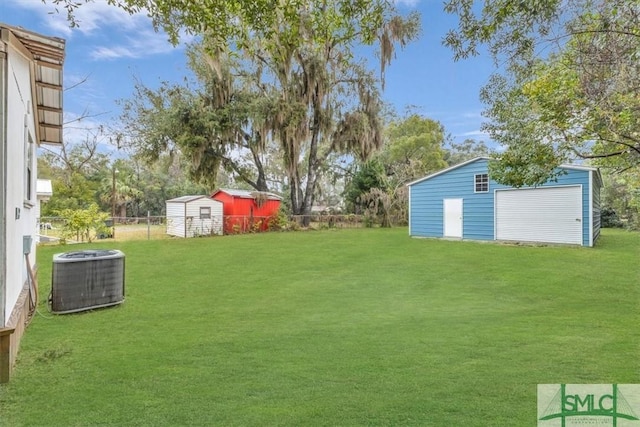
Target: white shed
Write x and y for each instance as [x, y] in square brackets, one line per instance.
[191, 216]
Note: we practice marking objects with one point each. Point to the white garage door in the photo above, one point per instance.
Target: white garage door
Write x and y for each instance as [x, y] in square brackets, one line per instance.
[548, 215]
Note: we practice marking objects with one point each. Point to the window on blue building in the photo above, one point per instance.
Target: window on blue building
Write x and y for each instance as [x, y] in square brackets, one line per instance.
[481, 183]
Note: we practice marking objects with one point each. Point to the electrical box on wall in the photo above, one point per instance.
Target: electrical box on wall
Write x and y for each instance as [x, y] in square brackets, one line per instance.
[26, 244]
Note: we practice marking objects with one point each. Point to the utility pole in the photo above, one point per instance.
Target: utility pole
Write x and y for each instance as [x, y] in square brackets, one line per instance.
[113, 202]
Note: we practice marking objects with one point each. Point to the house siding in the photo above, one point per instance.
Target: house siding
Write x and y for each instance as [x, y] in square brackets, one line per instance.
[176, 211]
[3, 185]
[427, 195]
[197, 226]
[427, 206]
[183, 217]
[227, 202]
[20, 214]
[21, 78]
[595, 211]
[242, 212]
[578, 177]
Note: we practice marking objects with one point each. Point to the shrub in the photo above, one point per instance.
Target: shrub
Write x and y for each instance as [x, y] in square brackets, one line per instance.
[279, 222]
[609, 218]
[83, 224]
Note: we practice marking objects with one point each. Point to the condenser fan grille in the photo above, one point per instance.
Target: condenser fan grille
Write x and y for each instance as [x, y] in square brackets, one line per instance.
[85, 280]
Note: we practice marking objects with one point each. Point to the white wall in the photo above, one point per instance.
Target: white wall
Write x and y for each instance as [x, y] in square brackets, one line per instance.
[20, 105]
[175, 219]
[199, 227]
[183, 219]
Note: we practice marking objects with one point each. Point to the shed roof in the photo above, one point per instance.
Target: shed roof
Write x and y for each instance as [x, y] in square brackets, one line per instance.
[443, 171]
[47, 54]
[246, 194]
[187, 199]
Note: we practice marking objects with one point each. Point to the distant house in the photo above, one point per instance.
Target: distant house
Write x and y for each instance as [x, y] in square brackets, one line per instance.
[44, 191]
[192, 216]
[247, 210]
[30, 115]
[463, 202]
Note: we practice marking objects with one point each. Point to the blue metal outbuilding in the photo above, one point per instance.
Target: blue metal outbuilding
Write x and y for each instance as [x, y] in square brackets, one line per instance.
[463, 202]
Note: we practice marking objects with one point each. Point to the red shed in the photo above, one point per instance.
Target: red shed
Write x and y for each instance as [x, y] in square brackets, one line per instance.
[247, 210]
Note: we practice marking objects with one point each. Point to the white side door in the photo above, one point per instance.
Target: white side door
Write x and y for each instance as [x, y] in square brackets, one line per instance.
[453, 218]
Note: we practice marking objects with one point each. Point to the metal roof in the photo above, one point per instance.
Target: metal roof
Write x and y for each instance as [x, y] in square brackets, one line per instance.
[47, 56]
[563, 166]
[247, 194]
[186, 199]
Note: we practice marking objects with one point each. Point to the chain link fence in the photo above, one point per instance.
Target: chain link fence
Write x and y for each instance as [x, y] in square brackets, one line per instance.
[161, 227]
[139, 228]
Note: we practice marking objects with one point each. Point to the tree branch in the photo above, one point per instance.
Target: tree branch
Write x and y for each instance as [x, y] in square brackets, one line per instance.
[82, 81]
[632, 147]
[598, 156]
[230, 163]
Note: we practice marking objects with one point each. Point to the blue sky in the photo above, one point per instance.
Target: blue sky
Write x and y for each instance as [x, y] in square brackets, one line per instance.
[111, 48]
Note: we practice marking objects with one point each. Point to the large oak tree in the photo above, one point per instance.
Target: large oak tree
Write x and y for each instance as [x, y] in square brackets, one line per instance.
[570, 90]
[297, 85]
[237, 19]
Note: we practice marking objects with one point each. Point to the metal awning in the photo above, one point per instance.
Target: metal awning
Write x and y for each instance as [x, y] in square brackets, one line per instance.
[47, 55]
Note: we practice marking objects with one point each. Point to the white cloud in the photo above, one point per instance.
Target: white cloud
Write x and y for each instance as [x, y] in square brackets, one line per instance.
[407, 3]
[142, 43]
[90, 17]
[98, 15]
[115, 52]
[472, 115]
[129, 36]
[474, 133]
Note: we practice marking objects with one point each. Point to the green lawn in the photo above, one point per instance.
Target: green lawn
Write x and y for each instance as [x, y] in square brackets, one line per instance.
[349, 327]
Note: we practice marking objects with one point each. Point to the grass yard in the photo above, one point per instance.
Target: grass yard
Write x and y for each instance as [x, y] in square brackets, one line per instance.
[349, 327]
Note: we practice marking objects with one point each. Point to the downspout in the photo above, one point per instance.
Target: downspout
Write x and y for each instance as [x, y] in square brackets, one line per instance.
[3, 174]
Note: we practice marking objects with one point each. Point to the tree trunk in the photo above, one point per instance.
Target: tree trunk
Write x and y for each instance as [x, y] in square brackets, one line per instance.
[261, 181]
[312, 167]
[297, 197]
